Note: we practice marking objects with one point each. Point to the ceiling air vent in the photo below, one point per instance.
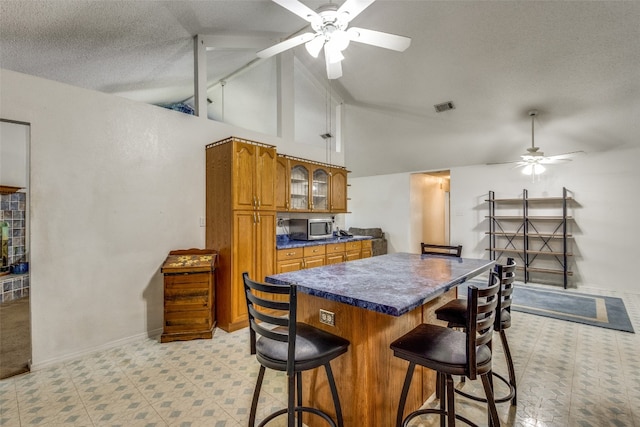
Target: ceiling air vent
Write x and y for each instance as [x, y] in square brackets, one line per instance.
[445, 106]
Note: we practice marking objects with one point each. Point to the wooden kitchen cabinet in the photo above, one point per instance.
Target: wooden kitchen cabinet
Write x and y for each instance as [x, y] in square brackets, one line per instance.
[253, 179]
[335, 253]
[240, 221]
[338, 190]
[352, 250]
[294, 259]
[307, 186]
[367, 249]
[189, 295]
[282, 188]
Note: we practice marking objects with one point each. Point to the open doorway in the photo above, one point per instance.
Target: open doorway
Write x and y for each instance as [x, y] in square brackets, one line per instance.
[430, 204]
[15, 285]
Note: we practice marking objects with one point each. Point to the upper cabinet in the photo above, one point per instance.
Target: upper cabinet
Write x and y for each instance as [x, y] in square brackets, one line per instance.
[338, 190]
[305, 186]
[254, 168]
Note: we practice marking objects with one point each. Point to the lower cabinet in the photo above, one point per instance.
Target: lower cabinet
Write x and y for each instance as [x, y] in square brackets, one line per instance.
[367, 249]
[294, 259]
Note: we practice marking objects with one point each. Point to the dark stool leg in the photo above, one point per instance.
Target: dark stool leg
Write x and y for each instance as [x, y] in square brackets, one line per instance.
[451, 408]
[299, 383]
[405, 393]
[291, 395]
[494, 421]
[512, 372]
[256, 397]
[441, 384]
[334, 394]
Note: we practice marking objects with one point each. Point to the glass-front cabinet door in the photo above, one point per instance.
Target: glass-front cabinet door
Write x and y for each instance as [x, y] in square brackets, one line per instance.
[320, 190]
[299, 188]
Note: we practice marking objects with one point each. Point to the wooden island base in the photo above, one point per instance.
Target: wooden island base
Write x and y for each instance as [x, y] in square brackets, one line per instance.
[369, 378]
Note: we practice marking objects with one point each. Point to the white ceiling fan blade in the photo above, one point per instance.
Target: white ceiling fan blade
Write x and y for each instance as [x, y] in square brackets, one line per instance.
[287, 44]
[566, 156]
[294, 6]
[378, 38]
[334, 69]
[551, 160]
[353, 8]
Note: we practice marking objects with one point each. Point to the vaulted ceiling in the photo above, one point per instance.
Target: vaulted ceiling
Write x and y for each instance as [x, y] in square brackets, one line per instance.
[577, 62]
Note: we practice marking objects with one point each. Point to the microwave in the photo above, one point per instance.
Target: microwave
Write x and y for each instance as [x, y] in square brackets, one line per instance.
[310, 229]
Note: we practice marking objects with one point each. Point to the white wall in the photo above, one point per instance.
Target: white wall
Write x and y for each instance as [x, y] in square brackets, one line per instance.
[115, 185]
[606, 226]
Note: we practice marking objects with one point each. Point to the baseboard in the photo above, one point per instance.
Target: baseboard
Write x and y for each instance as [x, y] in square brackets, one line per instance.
[107, 346]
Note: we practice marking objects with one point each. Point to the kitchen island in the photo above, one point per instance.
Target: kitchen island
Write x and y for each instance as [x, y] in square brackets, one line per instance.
[374, 301]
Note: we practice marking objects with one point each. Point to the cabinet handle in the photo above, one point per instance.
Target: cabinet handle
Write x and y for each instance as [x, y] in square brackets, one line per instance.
[290, 253]
[259, 204]
[258, 218]
[254, 218]
[304, 264]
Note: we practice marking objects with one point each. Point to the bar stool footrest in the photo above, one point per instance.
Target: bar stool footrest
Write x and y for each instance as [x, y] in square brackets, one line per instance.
[307, 409]
[508, 397]
[442, 413]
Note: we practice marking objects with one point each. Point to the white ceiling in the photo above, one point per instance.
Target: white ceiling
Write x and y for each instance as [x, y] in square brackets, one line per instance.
[577, 62]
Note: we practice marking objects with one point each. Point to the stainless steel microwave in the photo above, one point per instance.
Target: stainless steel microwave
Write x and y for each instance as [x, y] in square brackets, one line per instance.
[310, 228]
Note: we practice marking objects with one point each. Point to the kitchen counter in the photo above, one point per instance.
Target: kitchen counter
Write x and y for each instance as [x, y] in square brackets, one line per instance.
[283, 241]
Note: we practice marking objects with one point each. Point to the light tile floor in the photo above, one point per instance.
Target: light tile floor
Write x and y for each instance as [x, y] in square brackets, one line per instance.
[569, 375]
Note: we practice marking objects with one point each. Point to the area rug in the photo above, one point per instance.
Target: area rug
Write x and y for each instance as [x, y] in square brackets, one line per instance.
[595, 310]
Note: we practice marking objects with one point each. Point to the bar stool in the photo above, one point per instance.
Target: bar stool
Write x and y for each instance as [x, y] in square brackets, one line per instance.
[450, 352]
[454, 312]
[290, 346]
[447, 250]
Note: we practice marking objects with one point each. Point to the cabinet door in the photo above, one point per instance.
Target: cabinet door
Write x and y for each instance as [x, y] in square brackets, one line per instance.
[335, 258]
[289, 265]
[244, 172]
[244, 259]
[352, 256]
[299, 186]
[282, 184]
[320, 190]
[265, 178]
[338, 190]
[312, 262]
[265, 244]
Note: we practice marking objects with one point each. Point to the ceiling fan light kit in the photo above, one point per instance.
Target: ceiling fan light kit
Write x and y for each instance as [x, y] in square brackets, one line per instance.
[330, 24]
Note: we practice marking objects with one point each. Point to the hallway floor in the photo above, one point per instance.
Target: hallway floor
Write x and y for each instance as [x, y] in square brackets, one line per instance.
[569, 375]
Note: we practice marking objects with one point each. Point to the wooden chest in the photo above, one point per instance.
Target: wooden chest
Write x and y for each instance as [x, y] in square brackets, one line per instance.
[189, 294]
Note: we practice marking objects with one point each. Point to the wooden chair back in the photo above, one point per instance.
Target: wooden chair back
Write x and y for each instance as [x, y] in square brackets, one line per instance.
[482, 304]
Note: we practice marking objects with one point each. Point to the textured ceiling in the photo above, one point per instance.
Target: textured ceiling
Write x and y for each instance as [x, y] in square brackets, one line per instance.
[577, 62]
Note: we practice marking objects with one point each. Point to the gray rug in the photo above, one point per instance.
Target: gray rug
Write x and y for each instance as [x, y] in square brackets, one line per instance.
[595, 310]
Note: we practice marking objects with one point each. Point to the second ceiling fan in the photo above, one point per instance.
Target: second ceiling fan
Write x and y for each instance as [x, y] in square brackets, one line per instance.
[331, 34]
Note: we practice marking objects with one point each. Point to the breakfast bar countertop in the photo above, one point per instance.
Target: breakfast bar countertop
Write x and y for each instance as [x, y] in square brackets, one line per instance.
[391, 284]
[283, 241]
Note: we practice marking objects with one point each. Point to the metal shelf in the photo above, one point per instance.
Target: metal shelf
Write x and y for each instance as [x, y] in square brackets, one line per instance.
[532, 232]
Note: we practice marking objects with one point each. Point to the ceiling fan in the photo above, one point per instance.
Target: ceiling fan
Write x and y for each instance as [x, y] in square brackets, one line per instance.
[329, 24]
[533, 160]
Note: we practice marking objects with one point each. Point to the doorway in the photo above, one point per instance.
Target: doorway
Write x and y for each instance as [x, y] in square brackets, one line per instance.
[431, 217]
[15, 284]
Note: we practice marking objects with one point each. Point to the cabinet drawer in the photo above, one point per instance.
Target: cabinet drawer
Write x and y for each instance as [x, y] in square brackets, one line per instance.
[284, 254]
[311, 251]
[182, 321]
[353, 246]
[366, 244]
[335, 248]
[186, 281]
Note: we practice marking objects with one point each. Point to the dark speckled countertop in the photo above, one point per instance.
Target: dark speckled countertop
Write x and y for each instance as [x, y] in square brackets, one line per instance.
[393, 284]
[283, 241]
